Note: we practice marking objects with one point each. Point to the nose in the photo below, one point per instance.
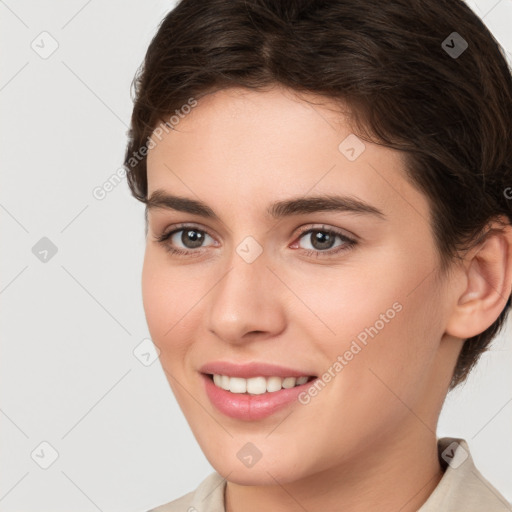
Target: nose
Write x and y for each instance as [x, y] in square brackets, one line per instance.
[247, 302]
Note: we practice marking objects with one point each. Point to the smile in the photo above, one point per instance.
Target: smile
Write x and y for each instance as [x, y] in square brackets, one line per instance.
[257, 385]
[250, 406]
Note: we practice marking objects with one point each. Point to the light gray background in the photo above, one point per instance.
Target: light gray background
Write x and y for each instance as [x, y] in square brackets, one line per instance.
[69, 376]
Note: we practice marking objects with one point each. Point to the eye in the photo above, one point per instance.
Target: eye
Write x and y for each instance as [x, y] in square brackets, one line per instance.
[322, 240]
[189, 236]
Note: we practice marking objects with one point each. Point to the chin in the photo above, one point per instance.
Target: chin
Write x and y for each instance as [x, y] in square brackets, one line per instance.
[261, 473]
[253, 476]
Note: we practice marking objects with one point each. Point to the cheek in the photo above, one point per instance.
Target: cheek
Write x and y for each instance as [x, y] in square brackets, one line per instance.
[170, 300]
[395, 362]
[382, 378]
[171, 308]
[384, 320]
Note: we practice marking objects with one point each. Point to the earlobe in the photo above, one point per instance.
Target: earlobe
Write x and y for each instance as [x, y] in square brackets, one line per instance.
[488, 277]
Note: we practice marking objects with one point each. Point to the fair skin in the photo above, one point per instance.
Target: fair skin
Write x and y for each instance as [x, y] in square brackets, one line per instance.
[367, 441]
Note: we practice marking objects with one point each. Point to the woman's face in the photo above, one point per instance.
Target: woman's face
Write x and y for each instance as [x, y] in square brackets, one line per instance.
[355, 303]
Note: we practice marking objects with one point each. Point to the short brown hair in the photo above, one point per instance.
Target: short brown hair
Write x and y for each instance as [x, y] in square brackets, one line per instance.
[390, 61]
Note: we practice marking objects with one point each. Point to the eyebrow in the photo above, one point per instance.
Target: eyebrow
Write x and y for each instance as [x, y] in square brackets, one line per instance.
[279, 209]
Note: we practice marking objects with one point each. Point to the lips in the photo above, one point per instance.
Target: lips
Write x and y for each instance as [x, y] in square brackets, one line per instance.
[248, 407]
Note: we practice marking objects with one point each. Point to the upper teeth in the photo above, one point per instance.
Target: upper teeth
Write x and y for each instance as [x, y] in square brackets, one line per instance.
[256, 385]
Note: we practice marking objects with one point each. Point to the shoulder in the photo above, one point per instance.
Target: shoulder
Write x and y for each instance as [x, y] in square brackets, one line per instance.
[462, 486]
[207, 497]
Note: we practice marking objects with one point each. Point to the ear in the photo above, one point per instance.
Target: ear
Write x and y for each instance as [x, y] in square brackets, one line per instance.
[487, 276]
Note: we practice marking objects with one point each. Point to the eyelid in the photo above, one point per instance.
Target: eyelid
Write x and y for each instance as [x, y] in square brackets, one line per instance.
[182, 226]
[324, 227]
[302, 230]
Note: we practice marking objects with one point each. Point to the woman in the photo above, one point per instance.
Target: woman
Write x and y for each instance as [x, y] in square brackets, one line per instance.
[328, 244]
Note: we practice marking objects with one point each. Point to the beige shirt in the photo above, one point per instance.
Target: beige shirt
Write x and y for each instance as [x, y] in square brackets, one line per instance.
[461, 489]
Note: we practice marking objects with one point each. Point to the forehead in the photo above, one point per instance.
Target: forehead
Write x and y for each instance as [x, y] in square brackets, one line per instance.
[238, 145]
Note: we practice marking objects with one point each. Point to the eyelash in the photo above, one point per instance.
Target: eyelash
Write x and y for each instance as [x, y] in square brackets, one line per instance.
[349, 243]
